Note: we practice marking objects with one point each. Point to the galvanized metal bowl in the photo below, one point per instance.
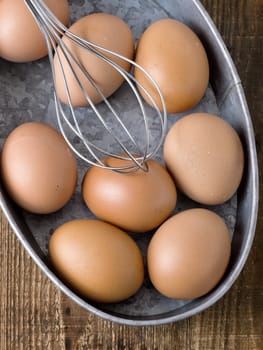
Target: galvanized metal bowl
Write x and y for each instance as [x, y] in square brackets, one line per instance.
[147, 308]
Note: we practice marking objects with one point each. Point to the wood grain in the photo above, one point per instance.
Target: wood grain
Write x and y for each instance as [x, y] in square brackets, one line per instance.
[35, 315]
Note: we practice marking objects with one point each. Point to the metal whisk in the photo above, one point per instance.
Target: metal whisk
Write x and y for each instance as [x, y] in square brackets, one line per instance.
[53, 31]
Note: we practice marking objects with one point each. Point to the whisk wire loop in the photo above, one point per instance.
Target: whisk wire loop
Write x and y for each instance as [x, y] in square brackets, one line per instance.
[53, 30]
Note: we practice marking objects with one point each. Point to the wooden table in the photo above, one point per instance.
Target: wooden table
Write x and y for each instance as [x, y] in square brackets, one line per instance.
[34, 314]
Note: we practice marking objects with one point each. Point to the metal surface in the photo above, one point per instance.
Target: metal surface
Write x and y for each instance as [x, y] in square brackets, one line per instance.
[225, 96]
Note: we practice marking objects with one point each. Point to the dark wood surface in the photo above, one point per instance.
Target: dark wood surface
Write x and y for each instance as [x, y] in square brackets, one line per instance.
[34, 314]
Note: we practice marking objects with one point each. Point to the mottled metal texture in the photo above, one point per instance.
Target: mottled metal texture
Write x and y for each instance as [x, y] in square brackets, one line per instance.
[26, 94]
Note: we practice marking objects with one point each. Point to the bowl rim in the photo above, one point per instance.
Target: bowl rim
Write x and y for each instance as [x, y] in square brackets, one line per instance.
[220, 290]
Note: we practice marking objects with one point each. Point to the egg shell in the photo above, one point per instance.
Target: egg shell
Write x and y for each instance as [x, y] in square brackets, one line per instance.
[135, 202]
[189, 254]
[176, 59]
[108, 31]
[20, 37]
[98, 260]
[205, 156]
[38, 169]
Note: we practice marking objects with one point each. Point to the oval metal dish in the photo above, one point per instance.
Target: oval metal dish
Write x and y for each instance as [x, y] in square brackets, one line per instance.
[231, 101]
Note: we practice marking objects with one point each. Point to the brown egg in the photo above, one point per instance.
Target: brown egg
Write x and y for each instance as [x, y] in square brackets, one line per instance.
[38, 169]
[108, 31]
[205, 156]
[20, 37]
[98, 260]
[175, 57]
[189, 254]
[136, 202]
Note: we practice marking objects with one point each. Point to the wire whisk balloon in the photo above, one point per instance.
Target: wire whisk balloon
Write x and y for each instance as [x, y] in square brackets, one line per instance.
[53, 31]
